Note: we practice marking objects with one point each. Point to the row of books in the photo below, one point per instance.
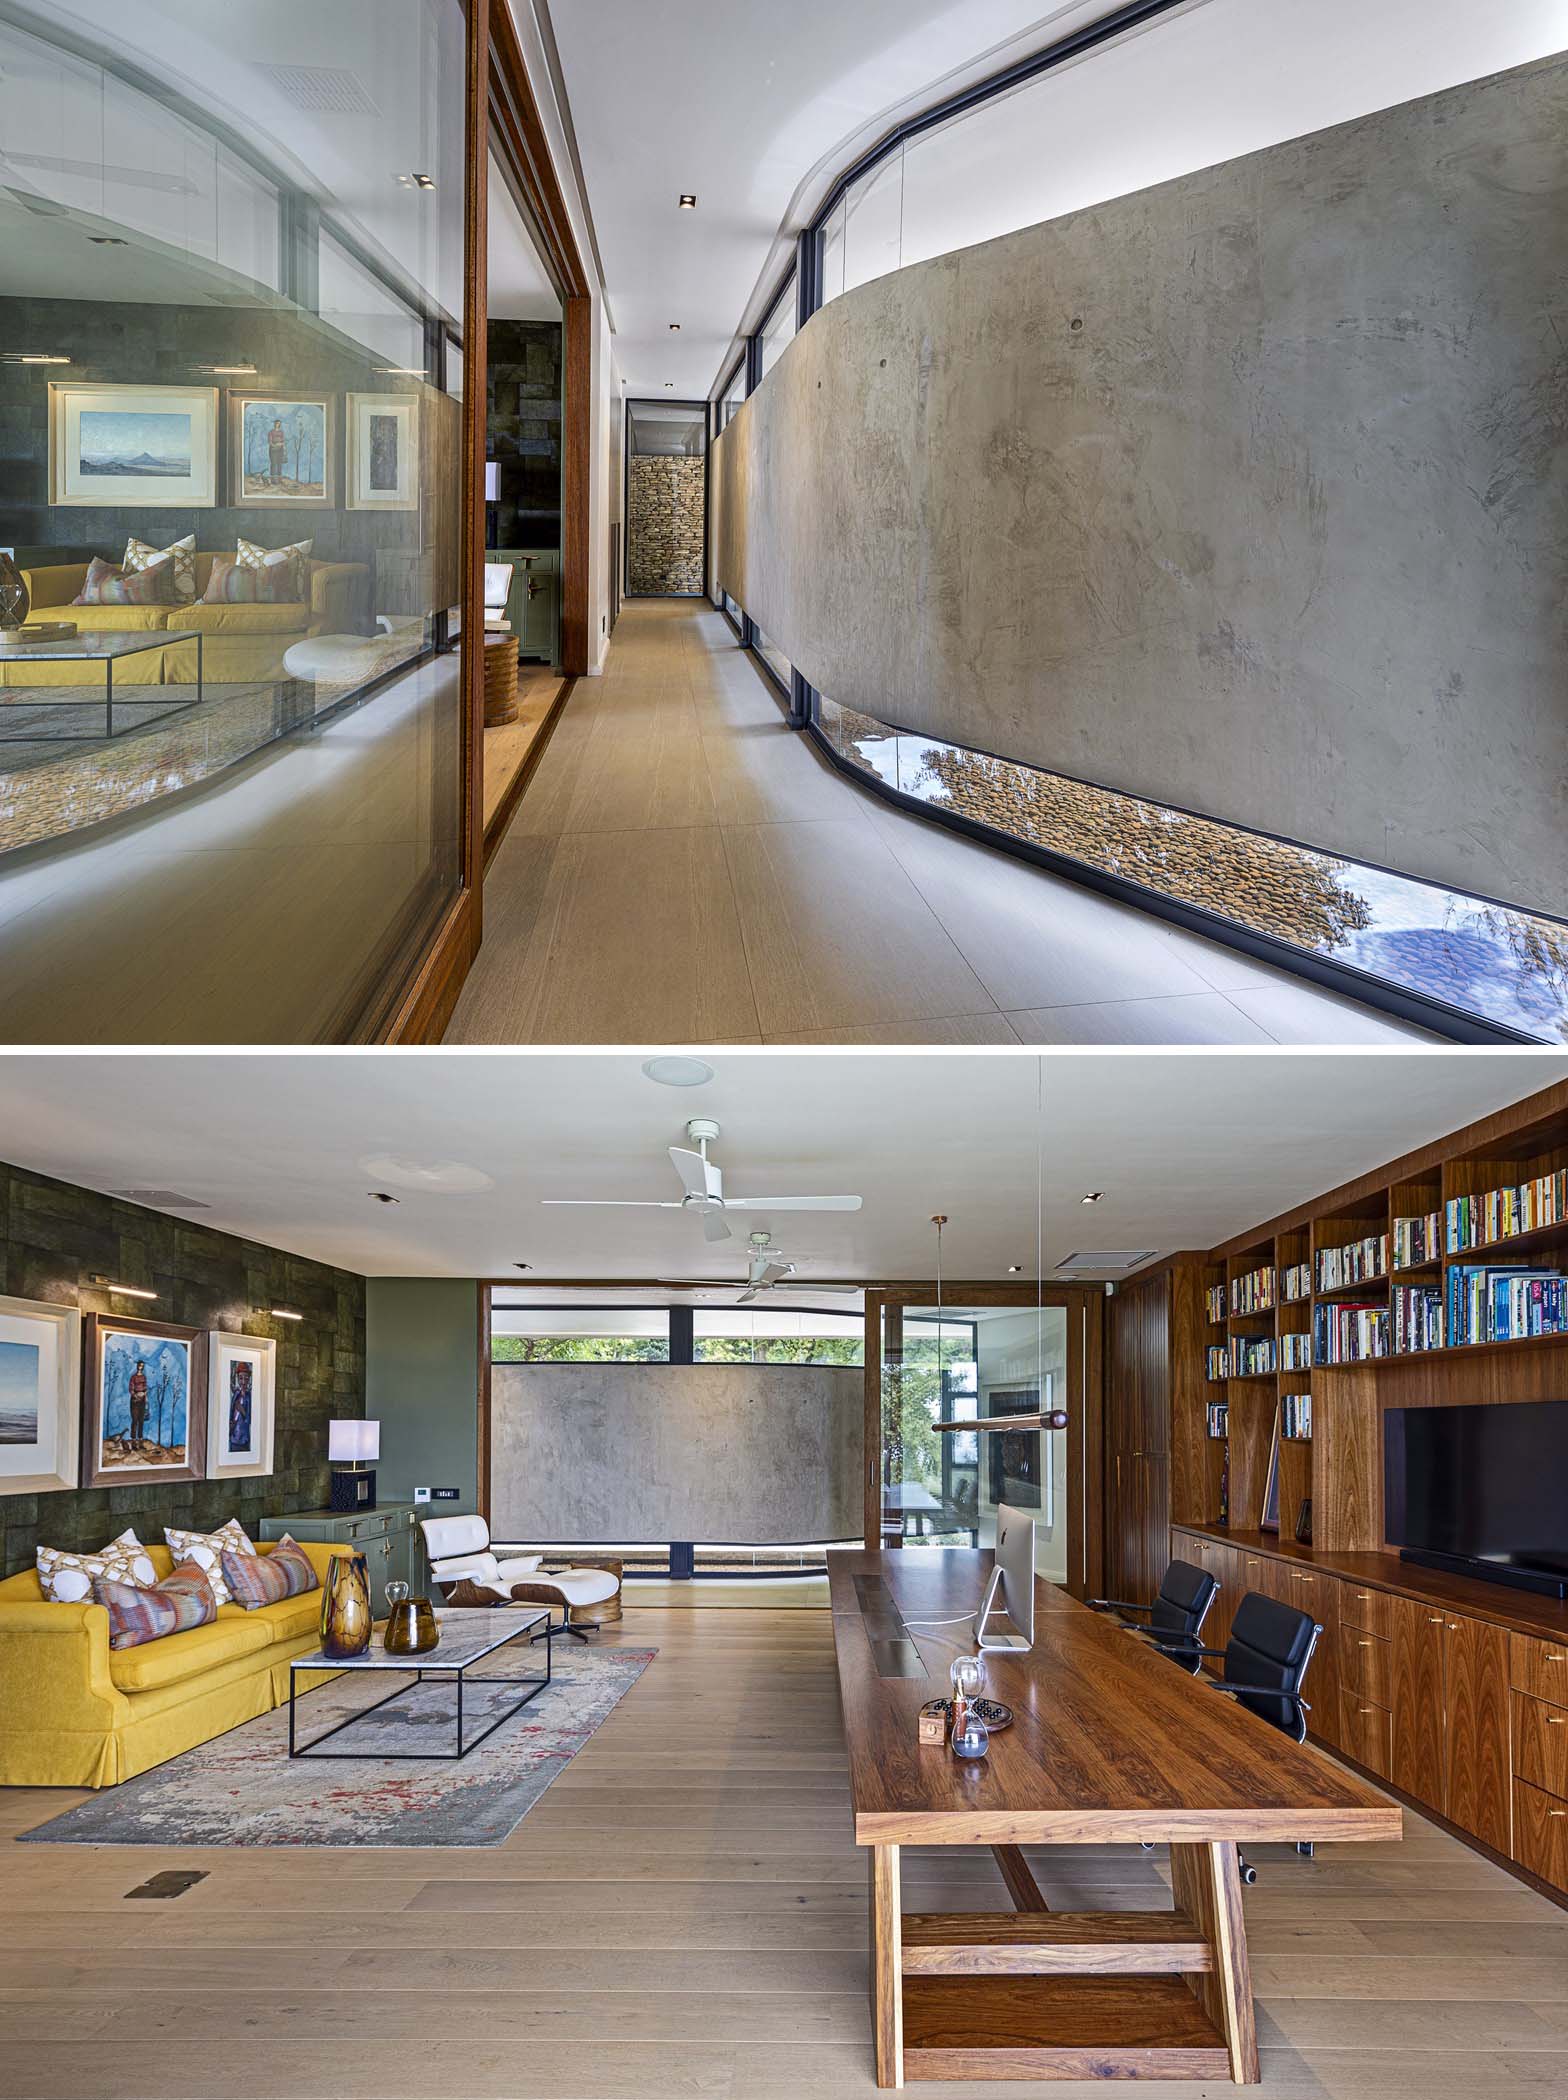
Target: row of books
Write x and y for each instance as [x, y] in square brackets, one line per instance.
[1417, 1311]
[1255, 1292]
[1295, 1416]
[1216, 1361]
[1358, 1261]
[1251, 1356]
[1295, 1352]
[1523, 1207]
[1219, 1418]
[1214, 1299]
[1349, 1333]
[1416, 1240]
[1296, 1282]
[1503, 1305]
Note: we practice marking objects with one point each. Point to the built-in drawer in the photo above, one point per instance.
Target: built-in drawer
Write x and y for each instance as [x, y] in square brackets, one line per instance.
[1365, 1731]
[1260, 1576]
[1539, 1667]
[1541, 1744]
[1541, 1833]
[374, 1526]
[1307, 1590]
[1366, 1667]
[1371, 1610]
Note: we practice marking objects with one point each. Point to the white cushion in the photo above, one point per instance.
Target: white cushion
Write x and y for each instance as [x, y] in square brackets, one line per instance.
[582, 1585]
[519, 1568]
[479, 1567]
[448, 1536]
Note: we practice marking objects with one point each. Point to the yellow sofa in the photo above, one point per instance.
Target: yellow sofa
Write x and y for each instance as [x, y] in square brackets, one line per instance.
[241, 644]
[76, 1712]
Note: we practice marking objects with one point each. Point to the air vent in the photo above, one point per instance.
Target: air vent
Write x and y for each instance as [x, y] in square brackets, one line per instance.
[325, 90]
[1099, 1258]
[160, 1199]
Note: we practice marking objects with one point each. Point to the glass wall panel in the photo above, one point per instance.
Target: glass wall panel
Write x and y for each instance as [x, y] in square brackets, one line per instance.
[232, 488]
[763, 1335]
[778, 331]
[666, 498]
[773, 656]
[732, 397]
[874, 223]
[941, 1485]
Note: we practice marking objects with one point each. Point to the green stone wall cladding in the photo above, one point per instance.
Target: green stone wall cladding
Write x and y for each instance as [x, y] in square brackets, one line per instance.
[52, 1234]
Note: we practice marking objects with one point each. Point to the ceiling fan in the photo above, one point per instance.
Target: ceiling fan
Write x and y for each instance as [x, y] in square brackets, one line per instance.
[768, 1270]
[703, 1182]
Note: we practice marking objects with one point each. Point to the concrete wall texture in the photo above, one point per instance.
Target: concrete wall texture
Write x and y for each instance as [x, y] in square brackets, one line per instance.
[758, 1454]
[1246, 493]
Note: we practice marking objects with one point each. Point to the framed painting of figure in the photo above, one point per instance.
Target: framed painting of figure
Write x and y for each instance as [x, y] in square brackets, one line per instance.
[40, 1396]
[144, 1406]
[283, 450]
[241, 1405]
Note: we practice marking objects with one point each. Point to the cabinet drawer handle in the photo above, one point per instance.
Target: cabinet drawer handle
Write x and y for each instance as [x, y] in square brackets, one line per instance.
[1554, 1813]
[1453, 1625]
[1555, 1721]
[1363, 1644]
[1366, 1709]
[1437, 1621]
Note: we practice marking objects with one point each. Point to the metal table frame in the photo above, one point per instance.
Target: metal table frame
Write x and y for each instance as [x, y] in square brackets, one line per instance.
[527, 1622]
[157, 638]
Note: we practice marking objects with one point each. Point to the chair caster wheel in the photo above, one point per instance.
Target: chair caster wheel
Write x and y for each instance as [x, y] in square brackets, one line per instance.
[1145, 1844]
[1249, 1875]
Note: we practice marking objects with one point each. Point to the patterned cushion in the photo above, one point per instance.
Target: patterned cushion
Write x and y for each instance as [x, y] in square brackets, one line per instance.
[67, 1578]
[107, 585]
[255, 1579]
[135, 1615]
[182, 553]
[295, 558]
[205, 1550]
[232, 584]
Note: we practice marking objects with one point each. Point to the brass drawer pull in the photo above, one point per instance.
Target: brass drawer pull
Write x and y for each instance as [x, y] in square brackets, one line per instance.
[1555, 1721]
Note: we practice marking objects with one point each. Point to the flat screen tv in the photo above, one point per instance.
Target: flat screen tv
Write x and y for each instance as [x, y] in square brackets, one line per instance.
[1483, 1490]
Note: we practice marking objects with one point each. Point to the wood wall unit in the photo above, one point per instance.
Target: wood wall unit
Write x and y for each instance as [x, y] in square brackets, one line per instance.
[1453, 1690]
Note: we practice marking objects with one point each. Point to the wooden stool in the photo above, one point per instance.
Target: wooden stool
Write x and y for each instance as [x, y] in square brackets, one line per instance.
[500, 679]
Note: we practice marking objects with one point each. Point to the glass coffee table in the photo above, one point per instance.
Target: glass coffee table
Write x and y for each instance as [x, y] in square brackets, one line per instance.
[467, 1637]
[106, 648]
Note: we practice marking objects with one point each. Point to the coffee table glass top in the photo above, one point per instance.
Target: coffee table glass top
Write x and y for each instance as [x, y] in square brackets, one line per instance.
[466, 1637]
[102, 647]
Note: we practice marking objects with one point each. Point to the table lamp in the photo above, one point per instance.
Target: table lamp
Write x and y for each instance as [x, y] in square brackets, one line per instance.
[352, 1448]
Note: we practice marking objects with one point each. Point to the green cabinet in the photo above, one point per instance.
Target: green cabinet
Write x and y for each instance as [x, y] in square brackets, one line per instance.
[389, 1538]
[533, 605]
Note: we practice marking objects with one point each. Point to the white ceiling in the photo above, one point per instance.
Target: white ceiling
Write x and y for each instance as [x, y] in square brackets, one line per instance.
[756, 108]
[1190, 1148]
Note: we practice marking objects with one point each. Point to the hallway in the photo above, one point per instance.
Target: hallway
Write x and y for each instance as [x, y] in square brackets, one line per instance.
[685, 868]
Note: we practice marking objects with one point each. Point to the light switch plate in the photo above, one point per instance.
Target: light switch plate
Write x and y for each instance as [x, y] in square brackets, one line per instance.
[421, 1494]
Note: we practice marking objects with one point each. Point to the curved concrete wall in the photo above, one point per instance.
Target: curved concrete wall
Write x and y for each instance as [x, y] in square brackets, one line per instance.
[761, 1454]
[1246, 493]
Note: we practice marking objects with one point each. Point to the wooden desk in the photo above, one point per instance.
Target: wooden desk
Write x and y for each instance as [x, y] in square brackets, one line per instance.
[1111, 1744]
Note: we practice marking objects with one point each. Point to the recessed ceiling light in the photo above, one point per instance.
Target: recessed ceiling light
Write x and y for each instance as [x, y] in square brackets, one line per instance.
[1015, 1268]
[1093, 1196]
[442, 1177]
[675, 328]
[381, 1196]
[522, 1265]
[688, 201]
[677, 1071]
[415, 181]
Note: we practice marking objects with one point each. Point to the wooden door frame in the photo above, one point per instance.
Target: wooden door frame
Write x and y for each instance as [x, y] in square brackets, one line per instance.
[1085, 1430]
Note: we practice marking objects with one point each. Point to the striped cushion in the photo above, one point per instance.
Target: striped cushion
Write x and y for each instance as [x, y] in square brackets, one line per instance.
[231, 583]
[180, 1600]
[107, 585]
[255, 1579]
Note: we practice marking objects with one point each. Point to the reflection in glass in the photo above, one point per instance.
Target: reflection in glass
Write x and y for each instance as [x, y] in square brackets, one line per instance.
[240, 429]
[773, 656]
[778, 332]
[767, 1335]
[1488, 960]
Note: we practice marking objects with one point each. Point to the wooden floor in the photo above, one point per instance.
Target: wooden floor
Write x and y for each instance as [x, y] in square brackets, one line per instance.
[685, 868]
[507, 746]
[684, 1914]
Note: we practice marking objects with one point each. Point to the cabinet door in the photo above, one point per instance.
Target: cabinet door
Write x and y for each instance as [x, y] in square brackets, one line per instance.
[1417, 1762]
[1475, 1697]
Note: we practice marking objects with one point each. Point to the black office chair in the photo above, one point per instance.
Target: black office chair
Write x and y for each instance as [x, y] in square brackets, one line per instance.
[1175, 1618]
[1265, 1662]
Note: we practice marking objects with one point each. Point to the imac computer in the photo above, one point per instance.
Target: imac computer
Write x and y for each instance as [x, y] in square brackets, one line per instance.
[1011, 1586]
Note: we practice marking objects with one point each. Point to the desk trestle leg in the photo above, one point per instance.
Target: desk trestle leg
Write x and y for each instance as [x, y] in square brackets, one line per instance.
[887, 1966]
[1206, 1883]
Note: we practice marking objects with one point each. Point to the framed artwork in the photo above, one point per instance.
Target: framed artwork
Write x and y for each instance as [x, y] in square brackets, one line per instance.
[40, 1396]
[283, 449]
[241, 1405]
[1269, 1521]
[147, 447]
[144, 1402]
[382, 463]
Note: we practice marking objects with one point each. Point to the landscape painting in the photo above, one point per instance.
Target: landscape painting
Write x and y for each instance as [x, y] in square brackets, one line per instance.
[383, 451]
[146, 1402]
[142, 446]
[19, 1393]
[283, 449]
[240, 1405]
[40, 1395]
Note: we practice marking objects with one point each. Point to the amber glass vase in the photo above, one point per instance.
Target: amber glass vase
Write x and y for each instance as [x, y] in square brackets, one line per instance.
[345, 1606]
[411, 1627]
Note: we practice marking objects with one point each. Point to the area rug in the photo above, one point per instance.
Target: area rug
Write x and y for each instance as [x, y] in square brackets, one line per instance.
[243, 1788]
